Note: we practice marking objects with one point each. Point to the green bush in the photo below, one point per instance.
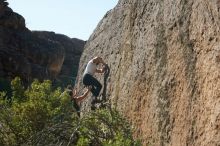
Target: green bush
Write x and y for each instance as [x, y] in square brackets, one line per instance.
[41, 115]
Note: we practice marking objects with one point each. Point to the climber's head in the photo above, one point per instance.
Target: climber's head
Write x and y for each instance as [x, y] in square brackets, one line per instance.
[97, 60]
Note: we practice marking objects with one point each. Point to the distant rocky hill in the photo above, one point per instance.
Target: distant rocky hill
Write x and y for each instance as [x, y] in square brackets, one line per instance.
[41, 55]
[164, 59]
[73, 49]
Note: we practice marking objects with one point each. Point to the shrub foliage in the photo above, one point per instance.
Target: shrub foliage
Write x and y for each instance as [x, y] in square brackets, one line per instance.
[42, 115]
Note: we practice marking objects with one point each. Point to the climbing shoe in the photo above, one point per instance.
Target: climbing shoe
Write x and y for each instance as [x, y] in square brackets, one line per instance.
[96, 100]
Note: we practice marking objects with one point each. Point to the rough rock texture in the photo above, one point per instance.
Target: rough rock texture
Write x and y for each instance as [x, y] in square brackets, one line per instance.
[34, 55]
[164, 58]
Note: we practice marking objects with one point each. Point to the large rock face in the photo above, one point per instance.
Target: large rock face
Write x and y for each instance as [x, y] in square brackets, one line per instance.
[31, 55]
[164, 58]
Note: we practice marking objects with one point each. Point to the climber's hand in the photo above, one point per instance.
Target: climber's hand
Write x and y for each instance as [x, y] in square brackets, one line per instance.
[105, 68]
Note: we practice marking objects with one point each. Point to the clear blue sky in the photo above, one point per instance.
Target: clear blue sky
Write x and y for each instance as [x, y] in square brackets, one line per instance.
[74, 18]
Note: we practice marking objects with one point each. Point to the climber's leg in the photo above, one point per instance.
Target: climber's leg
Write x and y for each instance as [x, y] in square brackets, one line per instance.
[89, 80]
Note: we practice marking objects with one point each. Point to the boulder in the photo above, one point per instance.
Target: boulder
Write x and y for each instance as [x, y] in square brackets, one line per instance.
[31, 55]
[164, 68]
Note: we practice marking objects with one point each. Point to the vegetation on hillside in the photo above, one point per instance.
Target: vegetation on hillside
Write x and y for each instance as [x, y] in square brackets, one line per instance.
[42, 115]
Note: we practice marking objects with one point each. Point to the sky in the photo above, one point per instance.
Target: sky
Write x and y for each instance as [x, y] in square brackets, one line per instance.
[74, 18]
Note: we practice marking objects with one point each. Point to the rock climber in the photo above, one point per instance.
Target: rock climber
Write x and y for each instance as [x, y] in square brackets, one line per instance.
[90, 80]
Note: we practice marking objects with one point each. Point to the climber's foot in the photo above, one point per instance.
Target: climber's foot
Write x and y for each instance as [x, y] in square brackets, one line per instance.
[93, 107]
[96, 100]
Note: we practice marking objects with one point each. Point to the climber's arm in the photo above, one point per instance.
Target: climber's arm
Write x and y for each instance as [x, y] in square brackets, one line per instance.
[102, 70]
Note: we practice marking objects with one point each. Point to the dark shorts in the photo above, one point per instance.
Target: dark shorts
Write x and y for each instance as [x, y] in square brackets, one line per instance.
[89, 80]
